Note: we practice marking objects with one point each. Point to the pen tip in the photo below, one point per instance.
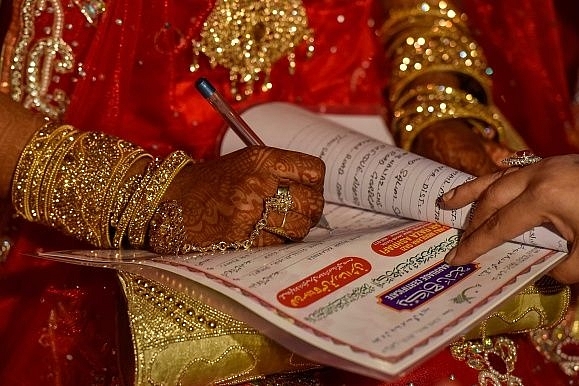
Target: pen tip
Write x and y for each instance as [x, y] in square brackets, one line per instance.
[204, 87]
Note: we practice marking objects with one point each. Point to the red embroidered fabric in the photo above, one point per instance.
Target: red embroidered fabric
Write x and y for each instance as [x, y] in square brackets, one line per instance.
[62, 324]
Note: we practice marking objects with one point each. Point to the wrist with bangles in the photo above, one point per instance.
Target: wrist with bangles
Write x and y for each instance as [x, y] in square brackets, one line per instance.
[110, 193]
[426, 105]
[423, 42]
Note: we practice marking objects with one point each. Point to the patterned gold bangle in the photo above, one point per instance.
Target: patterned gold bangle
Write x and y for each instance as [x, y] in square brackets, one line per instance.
[153, 191]
[29, 170]
[51, 168]
[121, 201]
[117, 194]
[77, 194]
[415, 31]
[441, 104]
[423, 54]
[69, 180]
[136, 192]
[426, 13]
[63, 134]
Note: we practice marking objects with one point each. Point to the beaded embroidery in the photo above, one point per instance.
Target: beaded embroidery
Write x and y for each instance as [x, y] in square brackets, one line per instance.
[247, 37]
[35, 62]
[482, 355]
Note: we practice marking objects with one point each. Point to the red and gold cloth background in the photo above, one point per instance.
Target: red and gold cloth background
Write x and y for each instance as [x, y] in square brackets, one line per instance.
[65, 325]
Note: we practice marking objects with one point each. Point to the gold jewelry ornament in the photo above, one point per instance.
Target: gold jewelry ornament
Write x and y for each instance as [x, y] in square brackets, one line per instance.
[282, 202]
[423, 41]
[150, 194]
[426, 105]
[432, 37]
[247, 37]
[521, 158]
[477, 355]
[439, 51]
[559, 344]
[69, 180]
[167, 234]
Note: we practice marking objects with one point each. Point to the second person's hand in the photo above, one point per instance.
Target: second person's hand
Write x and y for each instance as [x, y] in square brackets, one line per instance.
[513, 201]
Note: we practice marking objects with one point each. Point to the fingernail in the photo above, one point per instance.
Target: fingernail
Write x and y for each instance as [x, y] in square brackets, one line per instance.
[450, 256]
[448, 195]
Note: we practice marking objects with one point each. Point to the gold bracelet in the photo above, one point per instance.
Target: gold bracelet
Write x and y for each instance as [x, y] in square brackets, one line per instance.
[130, 210]
[153, 191]
[121, 201]
[69, 180]
[51, 169]
[77, 194]
[118, 194]
[443, 104]
[63, 134]
[420, 18]
[426, 32]
[426, 13]
[424, 54]
[29, 172]
[167, 233]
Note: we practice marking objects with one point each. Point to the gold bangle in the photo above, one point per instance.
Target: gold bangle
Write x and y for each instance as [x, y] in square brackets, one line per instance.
[63, 134]
[51, 169]
[77, 193]
[29, 172]
[136, 193]
[69, 180]
[427, 12]
[153, 191]
[410, 120]
[117, 193]
[425, 54]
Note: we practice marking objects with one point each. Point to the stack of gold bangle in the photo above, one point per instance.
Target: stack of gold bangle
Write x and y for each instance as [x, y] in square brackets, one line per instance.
[148, 196]
[425, 105]
[429, 38]
[81, 183]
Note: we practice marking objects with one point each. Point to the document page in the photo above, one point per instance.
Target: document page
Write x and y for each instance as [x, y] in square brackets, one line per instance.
[372, 296]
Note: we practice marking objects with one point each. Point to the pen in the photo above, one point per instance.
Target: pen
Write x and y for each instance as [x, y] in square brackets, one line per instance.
[237, 124]
[235, 121]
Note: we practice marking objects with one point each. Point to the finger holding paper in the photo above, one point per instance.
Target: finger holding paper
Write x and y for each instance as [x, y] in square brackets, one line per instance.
[540, 194]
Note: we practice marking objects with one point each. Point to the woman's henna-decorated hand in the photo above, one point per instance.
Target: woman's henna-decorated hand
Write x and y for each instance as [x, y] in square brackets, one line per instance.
[455, 143]
[224, 199]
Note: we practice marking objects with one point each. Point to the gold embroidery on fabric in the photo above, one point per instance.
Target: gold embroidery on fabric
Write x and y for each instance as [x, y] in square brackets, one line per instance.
[181, 340]
[539, 305]
[247, 37]
[37, 61]
[536, 309]
[559, 344]
[482, 355]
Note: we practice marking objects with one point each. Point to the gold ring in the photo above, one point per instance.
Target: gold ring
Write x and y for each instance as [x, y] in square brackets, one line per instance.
[282, 202]
[521, 158]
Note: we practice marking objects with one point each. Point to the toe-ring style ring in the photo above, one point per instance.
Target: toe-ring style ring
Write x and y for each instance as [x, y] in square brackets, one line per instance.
[521, 158]
[282, 202]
